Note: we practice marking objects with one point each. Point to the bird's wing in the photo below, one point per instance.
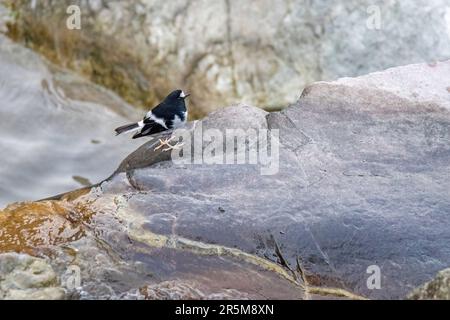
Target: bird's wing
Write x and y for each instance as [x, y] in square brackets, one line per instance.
[157, 109]
[151, 118]
[150, 127]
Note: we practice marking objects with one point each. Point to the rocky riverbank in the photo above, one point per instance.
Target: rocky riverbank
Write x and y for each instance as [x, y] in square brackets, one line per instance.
[230, 51]
[363, 181]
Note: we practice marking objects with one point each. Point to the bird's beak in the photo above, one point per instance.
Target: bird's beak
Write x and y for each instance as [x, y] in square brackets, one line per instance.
[184, 95]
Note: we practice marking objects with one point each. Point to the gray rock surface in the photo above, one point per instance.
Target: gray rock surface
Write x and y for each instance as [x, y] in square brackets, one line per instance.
[436, 289]
[228, 51]
[29, 278]
[56, 129]
[363, 180]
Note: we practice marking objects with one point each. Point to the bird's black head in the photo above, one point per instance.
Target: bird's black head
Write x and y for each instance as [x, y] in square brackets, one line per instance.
[176, 95]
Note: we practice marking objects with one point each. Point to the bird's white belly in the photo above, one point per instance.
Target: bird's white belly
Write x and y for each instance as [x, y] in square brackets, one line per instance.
[178, 122]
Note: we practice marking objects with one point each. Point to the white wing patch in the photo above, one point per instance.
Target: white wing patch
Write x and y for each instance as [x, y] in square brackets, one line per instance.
[159, 121]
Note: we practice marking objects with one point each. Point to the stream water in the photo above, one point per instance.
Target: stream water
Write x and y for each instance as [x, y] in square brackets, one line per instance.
[56, 130]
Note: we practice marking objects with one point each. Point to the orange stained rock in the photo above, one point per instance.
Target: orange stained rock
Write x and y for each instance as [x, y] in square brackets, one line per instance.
[25, 227]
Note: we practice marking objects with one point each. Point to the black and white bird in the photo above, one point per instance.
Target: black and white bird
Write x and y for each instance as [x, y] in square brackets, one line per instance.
[170, 114]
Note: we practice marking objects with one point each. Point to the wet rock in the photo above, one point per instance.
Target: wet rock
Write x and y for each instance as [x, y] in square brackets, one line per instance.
[26, 277]
[24, 227]
[48, 118]
[263, 55]
[436, 289]
[172, 290]
[361, 184]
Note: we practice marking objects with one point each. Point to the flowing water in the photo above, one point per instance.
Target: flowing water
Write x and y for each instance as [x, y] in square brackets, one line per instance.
[56, 130]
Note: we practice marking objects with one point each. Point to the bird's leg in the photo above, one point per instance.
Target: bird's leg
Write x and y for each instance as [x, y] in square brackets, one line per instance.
[163, 142]
[166, 142]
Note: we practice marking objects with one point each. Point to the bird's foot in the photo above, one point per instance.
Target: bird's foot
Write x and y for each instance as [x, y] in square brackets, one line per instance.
[166, 143]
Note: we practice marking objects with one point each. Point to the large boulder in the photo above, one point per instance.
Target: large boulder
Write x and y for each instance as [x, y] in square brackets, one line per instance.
[363, 184]
[56, 129]
[228, 51]
[355, 205]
